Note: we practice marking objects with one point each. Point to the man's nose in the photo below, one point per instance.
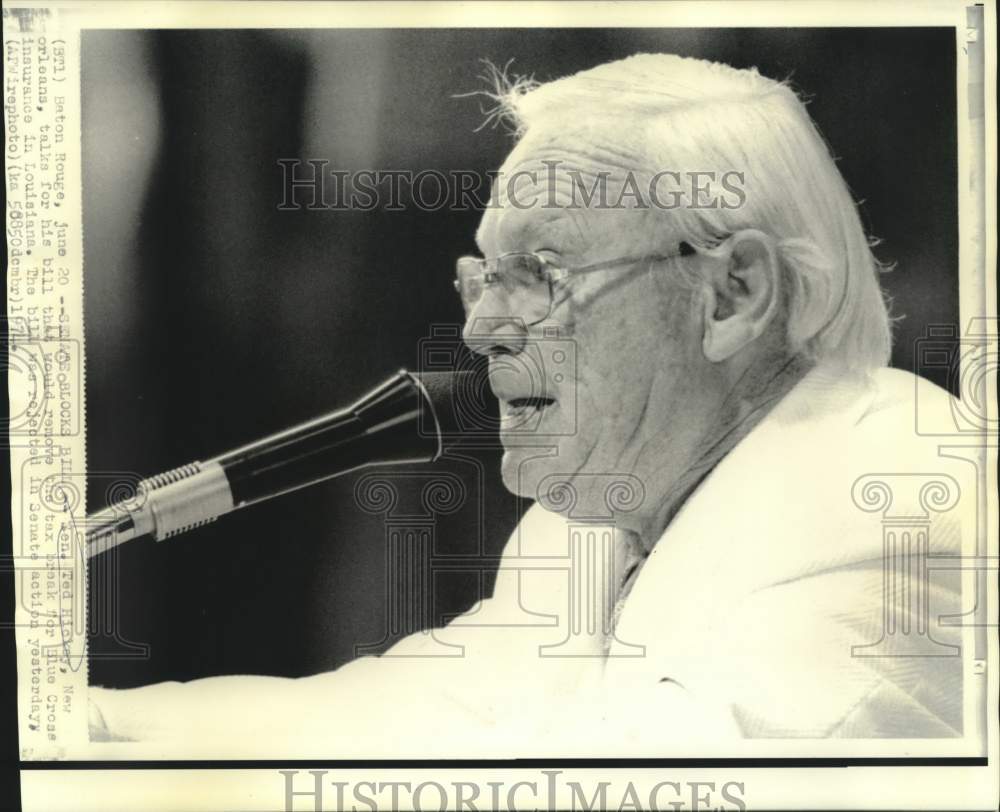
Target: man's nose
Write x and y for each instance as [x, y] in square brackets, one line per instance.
[490, 332]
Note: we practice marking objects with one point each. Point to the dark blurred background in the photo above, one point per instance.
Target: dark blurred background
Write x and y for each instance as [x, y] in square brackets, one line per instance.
[213, 317]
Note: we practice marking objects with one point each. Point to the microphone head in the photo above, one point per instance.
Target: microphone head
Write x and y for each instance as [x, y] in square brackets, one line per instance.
[462, 406]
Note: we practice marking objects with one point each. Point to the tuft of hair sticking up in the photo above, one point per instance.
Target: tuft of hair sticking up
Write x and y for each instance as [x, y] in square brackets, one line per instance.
[694, 115]
[503, 89]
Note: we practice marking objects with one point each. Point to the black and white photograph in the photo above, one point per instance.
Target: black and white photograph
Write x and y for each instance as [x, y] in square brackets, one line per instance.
[609, 405]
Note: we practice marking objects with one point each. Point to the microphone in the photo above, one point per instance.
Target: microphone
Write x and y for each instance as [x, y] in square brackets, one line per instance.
[409, 418]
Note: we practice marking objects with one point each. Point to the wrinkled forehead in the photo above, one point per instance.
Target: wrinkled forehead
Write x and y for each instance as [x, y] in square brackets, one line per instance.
[555, 185]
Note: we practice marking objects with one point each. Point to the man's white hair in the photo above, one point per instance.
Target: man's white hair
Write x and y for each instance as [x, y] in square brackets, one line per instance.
[692, 115]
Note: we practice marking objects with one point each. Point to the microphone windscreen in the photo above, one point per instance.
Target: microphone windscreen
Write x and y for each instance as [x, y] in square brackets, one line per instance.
[464, 406]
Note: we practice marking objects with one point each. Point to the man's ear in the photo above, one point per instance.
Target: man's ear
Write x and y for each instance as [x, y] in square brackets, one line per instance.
[742, 277]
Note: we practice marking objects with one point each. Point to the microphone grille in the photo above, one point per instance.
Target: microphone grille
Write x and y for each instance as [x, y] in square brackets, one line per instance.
[462, 403]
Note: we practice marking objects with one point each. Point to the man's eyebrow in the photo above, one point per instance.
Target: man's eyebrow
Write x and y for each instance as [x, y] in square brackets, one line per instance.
[526, 230]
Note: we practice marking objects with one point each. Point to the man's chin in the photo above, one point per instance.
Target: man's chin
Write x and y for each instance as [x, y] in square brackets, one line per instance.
[532, 472]
[522, 470]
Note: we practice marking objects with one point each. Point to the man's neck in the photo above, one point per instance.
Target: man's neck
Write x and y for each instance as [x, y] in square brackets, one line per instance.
[751, 398]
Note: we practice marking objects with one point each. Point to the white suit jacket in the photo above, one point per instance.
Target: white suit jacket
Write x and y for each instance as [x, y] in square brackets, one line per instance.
[794, 595]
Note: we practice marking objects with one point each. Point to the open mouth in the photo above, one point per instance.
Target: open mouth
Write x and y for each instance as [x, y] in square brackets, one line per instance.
[525, 408]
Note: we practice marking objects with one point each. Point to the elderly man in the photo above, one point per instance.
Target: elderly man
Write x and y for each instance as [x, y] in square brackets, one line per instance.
[731, 357]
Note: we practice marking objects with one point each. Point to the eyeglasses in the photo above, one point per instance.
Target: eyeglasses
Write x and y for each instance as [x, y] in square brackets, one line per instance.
[528, 280]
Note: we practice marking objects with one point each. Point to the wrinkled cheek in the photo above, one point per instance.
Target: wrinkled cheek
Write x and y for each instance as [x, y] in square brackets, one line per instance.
[684, 321]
